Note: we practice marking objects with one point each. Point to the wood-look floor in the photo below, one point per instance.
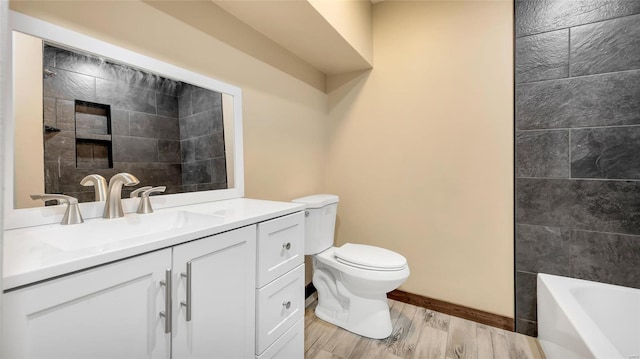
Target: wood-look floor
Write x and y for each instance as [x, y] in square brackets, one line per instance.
[417, 333]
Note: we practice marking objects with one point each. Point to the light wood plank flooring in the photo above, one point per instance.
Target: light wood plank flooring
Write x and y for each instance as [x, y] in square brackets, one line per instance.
[417, 333]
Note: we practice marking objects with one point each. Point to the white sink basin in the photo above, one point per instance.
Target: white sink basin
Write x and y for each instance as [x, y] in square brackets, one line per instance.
[132, 227]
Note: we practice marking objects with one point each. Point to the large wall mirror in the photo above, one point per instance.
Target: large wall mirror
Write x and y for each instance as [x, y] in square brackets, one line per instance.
[82, 106]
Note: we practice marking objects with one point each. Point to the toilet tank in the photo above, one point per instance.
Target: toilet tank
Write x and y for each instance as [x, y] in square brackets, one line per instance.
[320, 221]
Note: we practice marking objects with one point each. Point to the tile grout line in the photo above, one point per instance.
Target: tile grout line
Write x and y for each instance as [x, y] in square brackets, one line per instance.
[581, 179]
[609, 73]
[577, 128]
[578, 25]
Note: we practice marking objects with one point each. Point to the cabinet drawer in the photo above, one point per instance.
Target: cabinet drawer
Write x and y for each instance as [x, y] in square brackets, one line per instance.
[280, 247]
[289, 345]
[273, 316]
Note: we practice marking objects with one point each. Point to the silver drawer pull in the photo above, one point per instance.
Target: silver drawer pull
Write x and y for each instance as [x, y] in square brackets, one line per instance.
[167, 301]
[287, 304]
[286, 246]
[187, 304]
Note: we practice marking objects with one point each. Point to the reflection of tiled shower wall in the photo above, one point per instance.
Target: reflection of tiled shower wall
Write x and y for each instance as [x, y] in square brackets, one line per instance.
[202, 139]
[577, 145]
[145, 124]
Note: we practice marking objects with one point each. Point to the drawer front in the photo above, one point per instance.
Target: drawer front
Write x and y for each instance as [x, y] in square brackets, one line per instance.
[280, 247]
[279, 305]
[288, 346]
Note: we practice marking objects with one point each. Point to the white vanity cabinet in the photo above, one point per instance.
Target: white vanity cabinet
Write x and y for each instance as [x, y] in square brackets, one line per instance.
[113, 310]
[280, 288]
[109, 311]
[220, 295]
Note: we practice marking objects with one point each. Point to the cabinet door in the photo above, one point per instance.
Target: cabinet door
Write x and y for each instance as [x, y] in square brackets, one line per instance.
[222, 323]
[111, 311]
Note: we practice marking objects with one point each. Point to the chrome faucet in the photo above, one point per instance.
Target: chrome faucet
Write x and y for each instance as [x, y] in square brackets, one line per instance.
[113, 206]
[99, 184]
[72, 214]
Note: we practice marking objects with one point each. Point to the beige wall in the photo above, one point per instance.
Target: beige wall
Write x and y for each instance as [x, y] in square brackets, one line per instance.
[420, 148]
[28, 114]
[284, 118]
[352, 19]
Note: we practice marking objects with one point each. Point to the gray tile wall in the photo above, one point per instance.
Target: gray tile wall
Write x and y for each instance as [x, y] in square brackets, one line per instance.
[160, 140]
[577, 144]
[202, 138]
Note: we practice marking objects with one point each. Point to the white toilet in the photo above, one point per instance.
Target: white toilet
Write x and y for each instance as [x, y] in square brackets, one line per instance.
[351, 280]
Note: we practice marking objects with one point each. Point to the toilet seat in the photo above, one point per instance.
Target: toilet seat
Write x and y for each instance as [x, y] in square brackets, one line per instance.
[369, 257]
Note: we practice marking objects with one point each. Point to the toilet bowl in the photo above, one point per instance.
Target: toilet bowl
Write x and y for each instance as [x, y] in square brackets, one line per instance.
[351, 280]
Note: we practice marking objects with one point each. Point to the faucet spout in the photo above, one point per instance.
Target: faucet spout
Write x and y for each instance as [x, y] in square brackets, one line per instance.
[113, 206]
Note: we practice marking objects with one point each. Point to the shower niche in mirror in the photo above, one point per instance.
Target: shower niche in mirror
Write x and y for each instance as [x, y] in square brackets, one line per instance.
[84, 106]
[104, 117]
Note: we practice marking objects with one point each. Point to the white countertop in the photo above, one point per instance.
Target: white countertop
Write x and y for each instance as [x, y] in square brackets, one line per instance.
[38, 253]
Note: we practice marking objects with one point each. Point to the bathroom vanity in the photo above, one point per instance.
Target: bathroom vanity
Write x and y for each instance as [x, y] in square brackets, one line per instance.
[220, 280]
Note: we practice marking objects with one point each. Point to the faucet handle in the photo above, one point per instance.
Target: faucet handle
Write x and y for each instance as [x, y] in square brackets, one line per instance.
[100, 184]
[72, 214]
[135, 193]
[145, 204]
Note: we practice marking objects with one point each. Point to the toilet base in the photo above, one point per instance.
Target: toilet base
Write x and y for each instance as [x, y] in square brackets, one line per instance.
[368, 317]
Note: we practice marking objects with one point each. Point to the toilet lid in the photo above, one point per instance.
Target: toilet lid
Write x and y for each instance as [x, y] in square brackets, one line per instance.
[369, 257]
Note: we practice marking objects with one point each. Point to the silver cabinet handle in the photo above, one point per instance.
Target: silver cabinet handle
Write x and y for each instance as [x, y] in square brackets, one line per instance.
[287, 304]
[286, 246]
[167, 302]
[187, 304]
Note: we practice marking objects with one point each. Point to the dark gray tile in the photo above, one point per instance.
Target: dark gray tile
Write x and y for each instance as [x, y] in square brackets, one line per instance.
[185, 107]
[60, 146]
[542, 249]
[607, 46]
[601, 100]
[49, 111]
[120, 122]
[70, 86]
[542, 57]
[169, 87]
[65, 115]
[204, 99]
[606, 257]
[51, 177]
[610, 152]
[219, 168]
[81, 63]
[608, 206]
[542, 153]
[151, 126]
[526, 296]
[188, 150]
[48, 57]
[197, 125]
[527, 327]
[153, 174]
[70, 177]
[196, 172]
[134, 149]
[174, 189]
[167, 105]
[92, 124]
[216, 117]
[210, 146]
[211, 186]
[82, 196]
[125, 97]
[536, 16]
[169, 151]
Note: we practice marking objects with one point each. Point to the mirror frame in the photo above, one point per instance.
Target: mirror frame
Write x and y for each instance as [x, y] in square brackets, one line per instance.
[27, 217]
